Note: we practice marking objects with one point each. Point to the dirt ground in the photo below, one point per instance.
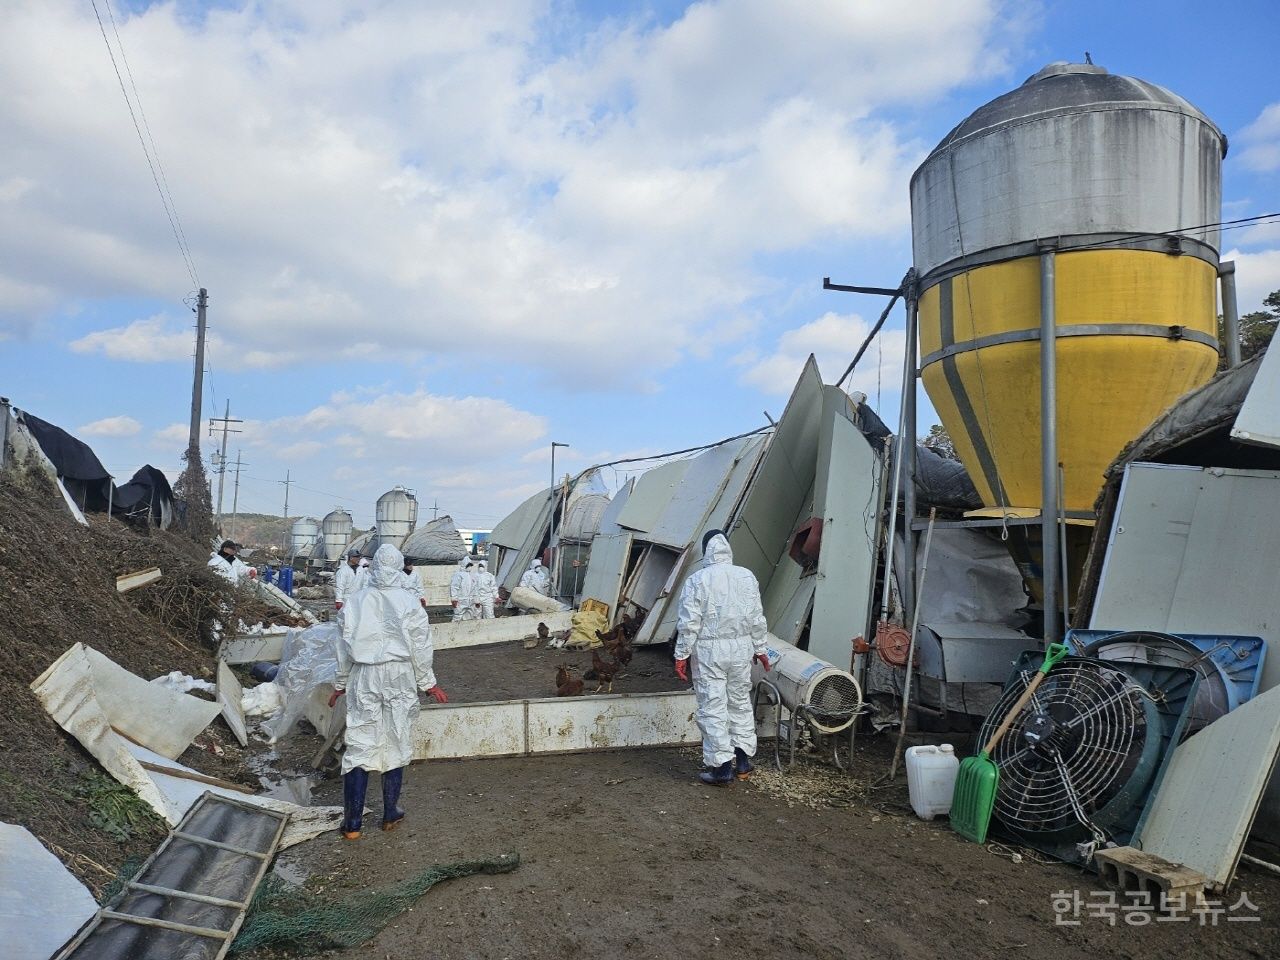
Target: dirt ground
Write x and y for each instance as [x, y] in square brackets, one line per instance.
[623, 854]
[506, 671]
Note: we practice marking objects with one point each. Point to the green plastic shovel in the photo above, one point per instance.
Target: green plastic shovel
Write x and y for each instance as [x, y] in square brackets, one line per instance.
[978, 777]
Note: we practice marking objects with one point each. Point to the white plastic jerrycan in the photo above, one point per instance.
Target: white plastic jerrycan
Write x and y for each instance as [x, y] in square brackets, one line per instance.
[931, 779]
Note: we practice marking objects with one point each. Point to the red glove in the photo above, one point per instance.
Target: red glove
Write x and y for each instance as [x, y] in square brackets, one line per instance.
[333, 697]
[437, 694]
[763, 660]
[253, 573]
[455, 603]
[682, 669]
[338, 604]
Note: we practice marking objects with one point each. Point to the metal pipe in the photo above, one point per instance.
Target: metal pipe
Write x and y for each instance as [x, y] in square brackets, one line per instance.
[1062, 540]
[1230, 312]
[911, 650]
[898, 452]
[911, 431]
[1049, 443]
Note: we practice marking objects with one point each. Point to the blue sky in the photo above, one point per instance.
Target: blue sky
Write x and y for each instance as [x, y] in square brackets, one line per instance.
[438, 236]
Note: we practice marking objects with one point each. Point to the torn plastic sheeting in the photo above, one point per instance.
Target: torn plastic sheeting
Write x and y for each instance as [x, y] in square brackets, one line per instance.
[42, 904]
[262, 700]
[179, 793]
[147, 713]
[527, 598]
[309, 659]
[180, 682]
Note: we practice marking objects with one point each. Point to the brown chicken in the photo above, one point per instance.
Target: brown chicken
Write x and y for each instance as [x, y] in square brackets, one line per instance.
[603, 671]
[567, 685]
[543, 632]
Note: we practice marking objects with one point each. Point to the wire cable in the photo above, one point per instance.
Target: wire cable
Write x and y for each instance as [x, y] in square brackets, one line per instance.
[870, 336]
[169, 213]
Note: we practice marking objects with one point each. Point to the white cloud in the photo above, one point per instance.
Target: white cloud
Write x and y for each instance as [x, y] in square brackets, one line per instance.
[1260, 141]
[1257, 274]
[111, 427]
[833, 339]
[156, 339]
[173, 433]
[420, 178]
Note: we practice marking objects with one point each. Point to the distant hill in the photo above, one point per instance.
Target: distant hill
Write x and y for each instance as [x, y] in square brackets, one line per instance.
[260, 530]
[256, 530]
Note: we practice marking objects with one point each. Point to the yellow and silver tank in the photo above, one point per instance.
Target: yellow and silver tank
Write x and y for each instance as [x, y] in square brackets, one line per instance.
[1122, 178]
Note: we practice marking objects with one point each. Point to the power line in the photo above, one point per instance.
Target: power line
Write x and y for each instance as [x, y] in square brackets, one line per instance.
[164, 200]
[155, 151]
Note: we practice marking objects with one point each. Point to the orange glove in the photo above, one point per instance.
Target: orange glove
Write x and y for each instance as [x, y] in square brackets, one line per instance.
[333, 697]
[763, 660]
[437, 694]
[682, 669]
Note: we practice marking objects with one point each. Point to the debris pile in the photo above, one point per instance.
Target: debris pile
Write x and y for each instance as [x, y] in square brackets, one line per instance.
[58, 584]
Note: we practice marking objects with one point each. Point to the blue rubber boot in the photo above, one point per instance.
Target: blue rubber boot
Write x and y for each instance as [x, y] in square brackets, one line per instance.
[391, 812]
[354, 785]
[742, 765]
[721, 776]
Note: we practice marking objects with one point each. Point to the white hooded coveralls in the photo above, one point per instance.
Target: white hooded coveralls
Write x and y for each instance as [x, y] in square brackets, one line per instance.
[384, 659]
[486, 590]
[721, 625]
[538, 578]
[234, 569]
[413, 583]
[462, 589]
[348, 580]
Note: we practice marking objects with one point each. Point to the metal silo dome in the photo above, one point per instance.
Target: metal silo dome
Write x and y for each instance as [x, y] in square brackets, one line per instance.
[1110, 187]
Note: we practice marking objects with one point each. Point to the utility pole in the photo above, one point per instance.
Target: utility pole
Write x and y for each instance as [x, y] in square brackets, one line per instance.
[226, 422]
[235, 496]
[435, 508]
[286, 481]
[197, 384]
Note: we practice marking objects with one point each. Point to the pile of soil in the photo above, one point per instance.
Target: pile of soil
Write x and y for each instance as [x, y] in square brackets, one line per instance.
[57, 587]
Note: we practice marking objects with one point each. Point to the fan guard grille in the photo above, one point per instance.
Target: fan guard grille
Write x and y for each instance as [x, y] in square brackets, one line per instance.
[1071, 749]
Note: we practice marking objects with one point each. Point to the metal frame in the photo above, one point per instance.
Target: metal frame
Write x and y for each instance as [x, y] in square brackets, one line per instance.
[1075, 330]
[790, 729]
[226, 936]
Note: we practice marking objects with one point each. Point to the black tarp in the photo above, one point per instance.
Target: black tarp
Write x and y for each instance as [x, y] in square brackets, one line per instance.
[84, 476]
[147, 497]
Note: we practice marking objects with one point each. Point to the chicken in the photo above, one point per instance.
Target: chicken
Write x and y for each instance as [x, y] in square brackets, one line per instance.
[612, 636]
[543, 632]
[567, 685]
[603, 671]
[630, 626]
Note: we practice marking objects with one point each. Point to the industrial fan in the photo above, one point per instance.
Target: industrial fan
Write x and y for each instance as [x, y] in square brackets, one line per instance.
[1081, 761]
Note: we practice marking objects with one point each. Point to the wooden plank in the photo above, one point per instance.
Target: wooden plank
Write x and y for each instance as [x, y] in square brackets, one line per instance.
[165, 924]
[192, 775]
[139, 578]
[473, 633]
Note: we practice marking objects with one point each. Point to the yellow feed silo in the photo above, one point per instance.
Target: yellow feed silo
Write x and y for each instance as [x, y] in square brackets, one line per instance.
[1093, 200]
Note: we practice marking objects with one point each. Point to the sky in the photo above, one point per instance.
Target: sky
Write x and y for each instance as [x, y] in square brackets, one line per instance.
[438, 236]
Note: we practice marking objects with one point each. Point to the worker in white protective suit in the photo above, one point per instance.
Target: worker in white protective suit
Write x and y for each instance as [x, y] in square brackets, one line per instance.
[351, 577]
[462, 588]
[413, 583]
[538, 578]
[486, 590]
[721, 627]
[384, 660]
[226, 563]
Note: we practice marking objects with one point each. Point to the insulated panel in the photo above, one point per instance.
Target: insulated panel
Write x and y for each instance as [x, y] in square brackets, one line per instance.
[1193, 820]
[1193, 550]
[610, 554]
[1258, 421]
[767, 519]
[848, 496]
[653, 491]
